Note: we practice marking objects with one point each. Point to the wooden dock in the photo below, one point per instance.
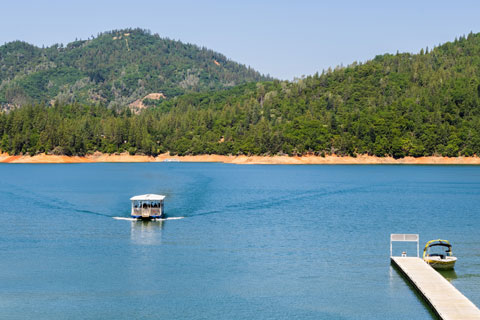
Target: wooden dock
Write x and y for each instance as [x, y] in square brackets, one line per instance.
[447, 302]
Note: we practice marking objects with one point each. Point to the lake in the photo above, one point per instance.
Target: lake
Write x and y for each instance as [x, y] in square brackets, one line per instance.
[256, 241]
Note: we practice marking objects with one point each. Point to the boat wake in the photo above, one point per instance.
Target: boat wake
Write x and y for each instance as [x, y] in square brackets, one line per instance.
[135, 219]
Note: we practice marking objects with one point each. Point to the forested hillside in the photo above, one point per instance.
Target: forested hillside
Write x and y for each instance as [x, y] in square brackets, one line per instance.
[114, 69]
[396, 104]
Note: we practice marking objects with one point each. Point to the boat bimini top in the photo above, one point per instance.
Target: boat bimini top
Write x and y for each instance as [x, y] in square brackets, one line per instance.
[435, 243]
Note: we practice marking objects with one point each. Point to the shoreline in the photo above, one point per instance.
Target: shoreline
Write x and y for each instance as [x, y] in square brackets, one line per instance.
[307, 159]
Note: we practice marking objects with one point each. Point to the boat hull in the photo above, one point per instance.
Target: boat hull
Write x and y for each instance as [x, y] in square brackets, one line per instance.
[447, 263]
[147, 218]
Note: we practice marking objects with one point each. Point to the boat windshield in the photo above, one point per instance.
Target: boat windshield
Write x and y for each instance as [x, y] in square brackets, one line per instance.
[441, 250]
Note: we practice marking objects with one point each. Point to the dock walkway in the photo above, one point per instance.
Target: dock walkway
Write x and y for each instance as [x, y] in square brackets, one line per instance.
[443, 297]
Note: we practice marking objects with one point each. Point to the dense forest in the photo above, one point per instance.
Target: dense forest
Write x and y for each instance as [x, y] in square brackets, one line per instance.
[393, 105]
[115, 68]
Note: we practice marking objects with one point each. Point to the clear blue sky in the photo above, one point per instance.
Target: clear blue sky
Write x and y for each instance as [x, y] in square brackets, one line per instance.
[286, 39]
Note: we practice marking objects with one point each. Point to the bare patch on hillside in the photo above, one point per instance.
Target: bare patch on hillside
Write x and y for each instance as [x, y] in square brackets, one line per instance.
[138, 105]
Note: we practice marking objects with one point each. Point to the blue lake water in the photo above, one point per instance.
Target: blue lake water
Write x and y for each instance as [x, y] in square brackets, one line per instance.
[256, 242]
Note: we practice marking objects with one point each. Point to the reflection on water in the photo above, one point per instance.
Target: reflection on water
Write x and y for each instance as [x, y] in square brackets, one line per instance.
[146, 232]
[448, 274]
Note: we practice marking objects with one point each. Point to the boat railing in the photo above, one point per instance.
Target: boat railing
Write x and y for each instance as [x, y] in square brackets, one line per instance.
[142, 211]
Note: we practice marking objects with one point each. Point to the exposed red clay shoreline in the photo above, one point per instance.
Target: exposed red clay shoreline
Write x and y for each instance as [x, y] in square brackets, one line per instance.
[307, 159]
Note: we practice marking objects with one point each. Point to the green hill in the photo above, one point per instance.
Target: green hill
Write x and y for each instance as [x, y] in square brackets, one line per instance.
[115, 68]
[395, 104]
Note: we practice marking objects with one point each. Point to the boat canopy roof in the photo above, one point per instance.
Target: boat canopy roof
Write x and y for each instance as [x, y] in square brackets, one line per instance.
[148, 197]
[438, 242]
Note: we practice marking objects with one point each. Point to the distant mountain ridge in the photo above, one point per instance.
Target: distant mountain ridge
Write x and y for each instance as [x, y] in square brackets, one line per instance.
[116, 68]
[395, 105]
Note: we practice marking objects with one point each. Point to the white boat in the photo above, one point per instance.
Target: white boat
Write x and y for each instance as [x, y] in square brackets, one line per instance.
[147, 206]
[442, 258]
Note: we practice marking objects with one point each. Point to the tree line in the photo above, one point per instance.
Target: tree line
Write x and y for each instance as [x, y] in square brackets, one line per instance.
[394, 105]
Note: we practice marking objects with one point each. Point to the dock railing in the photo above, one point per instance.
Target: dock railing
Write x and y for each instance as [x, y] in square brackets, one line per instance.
[404, 237]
